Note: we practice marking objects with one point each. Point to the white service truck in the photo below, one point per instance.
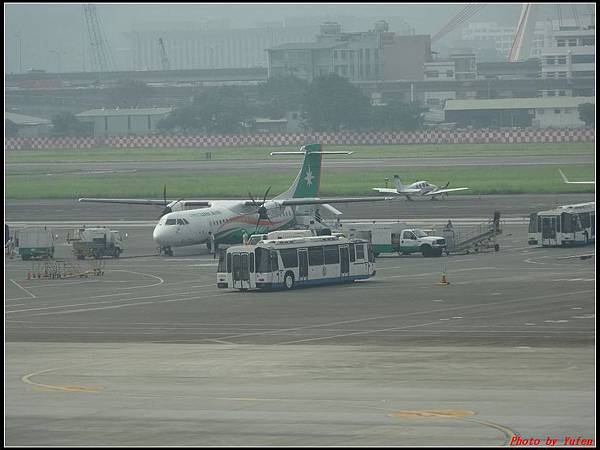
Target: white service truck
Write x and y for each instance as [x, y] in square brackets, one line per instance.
[394, 237]
[96, 242]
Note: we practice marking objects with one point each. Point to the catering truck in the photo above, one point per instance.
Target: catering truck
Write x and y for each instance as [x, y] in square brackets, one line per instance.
[96, 242]
[35, 242]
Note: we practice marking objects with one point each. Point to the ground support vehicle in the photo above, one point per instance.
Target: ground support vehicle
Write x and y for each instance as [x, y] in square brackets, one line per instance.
[393, 237]
[95, 242]
[35, 242]
[473, 240]
[289, 262]
[568, 225]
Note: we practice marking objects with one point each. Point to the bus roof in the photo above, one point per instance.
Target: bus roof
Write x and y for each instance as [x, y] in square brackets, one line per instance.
[574, 209]
[309, 241]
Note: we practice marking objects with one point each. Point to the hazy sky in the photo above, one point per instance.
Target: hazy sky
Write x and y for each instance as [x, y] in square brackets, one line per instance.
[52, 33]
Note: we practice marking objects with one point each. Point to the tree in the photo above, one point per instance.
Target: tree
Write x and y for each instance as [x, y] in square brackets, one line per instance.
[67, 124]
[223, 110]
[396, 115]
[332, 103]
[185, 120]
[587, 113]
[279, 95]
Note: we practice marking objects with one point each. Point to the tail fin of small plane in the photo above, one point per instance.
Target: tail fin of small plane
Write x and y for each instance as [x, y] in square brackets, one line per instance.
[399, 186]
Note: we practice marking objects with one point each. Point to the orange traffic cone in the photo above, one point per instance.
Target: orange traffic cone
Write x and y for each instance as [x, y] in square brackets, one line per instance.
[444, 281]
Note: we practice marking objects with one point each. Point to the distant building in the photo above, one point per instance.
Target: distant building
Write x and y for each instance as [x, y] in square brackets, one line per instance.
[572, 56]
[116, 122]
[372, 55]
[502, 37]
[26, 126]
[548, 112]
[457, 67]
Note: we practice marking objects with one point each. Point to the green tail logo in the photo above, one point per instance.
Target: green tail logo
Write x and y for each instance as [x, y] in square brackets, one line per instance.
[308, 180]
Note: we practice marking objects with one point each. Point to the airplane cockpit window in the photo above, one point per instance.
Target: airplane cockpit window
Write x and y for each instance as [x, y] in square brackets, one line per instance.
[171, 222]
[180, 222]
[185, 221]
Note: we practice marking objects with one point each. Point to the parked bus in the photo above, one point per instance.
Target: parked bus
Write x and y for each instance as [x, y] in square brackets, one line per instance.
[289, 262]
[567, 225]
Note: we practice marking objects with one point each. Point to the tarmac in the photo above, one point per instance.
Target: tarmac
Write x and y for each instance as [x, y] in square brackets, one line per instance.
[153, 353]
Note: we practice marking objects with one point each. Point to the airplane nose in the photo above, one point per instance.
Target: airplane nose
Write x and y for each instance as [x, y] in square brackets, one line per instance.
[160, 236]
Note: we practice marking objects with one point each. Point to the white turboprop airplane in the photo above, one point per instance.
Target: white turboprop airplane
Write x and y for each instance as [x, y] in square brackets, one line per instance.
[228, 220]
[422, 188]
[573, 182]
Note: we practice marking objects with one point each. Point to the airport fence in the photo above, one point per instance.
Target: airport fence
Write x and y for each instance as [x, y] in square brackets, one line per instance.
[477, 136]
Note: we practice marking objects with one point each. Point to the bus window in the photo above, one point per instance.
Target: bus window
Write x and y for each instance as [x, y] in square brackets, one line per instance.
[222, 267]
[532, 222]
[370, 252]
[332, 254]
[315, 256]
[251, 262]
[262, 260]
[289, 257]
[228, 262]
[360, 251]
[351, 250]
[585, 220]
[274, 257]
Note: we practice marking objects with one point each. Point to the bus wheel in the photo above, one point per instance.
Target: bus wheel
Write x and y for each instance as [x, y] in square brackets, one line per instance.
[288, 280]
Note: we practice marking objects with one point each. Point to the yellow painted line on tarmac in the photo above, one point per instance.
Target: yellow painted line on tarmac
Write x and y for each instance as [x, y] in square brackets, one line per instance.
[461, 414]
[55, 387]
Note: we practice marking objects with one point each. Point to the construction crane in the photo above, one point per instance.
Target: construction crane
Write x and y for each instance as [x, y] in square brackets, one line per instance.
[101, 56]
[164, 61]
[465, 14]
[517, 45]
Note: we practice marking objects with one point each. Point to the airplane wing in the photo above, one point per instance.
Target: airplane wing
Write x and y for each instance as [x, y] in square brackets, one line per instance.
[142, 201]
[394, 191]
[386, 190]
[443, 191]
[322, 201]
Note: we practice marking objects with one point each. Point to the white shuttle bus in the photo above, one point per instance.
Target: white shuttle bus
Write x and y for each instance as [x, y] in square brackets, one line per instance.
[280, 261]
[567, 225]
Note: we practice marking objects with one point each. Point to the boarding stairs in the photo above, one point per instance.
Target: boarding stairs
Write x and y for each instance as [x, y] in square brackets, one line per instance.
[480, 238]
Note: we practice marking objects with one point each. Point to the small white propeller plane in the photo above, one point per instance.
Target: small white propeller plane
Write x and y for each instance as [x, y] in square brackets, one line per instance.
[422, 188]
[564, 177]
[191, 222]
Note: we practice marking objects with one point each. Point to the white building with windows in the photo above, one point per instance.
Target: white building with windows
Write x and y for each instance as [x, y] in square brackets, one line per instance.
[572, 55]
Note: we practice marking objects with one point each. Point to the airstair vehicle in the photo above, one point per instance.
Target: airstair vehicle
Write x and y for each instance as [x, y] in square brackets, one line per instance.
[474, 240]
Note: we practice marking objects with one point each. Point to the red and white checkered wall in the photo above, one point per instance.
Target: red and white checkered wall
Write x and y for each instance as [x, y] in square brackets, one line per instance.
[288, 139]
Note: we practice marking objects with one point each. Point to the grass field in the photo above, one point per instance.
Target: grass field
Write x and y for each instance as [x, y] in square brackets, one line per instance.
[236, 183]
[360, 151]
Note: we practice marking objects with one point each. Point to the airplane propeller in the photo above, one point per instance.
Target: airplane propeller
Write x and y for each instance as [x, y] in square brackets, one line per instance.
[261, 209]
[168, 207]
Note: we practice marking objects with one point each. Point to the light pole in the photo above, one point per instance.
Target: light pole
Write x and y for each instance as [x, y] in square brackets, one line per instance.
[20, 52]
[57, 59]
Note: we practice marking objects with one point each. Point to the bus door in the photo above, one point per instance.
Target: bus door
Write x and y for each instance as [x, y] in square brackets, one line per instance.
[549, 230]
[344, 262]
[240, 270]
[302, 264]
